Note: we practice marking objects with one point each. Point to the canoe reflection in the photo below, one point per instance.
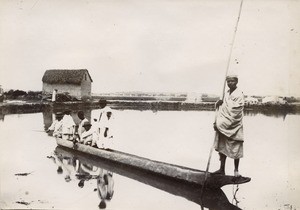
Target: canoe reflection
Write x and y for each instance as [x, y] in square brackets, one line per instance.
[82, 171]
[214, 199]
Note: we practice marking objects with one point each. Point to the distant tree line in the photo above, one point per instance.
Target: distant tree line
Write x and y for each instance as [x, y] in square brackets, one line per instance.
[21, 94]
[291, 99]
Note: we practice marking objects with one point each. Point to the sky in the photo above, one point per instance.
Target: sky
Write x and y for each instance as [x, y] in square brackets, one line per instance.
[153, 46]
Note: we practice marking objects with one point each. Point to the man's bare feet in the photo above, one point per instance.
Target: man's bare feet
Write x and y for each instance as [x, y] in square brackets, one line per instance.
[236, 173]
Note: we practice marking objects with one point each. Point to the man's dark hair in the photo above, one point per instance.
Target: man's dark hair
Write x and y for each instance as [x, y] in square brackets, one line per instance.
[59, 170]
[80, 114]
[81, 183]
[102, 205]
[102, 103]
[68, 111]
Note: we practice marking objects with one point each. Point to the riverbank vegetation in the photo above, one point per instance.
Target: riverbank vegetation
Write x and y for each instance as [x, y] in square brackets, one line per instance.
[19, 101]
[35, 96]
[22, 95]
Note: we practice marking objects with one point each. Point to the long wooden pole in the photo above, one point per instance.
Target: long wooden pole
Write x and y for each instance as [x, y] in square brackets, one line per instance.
[223, 90]
[231, 49]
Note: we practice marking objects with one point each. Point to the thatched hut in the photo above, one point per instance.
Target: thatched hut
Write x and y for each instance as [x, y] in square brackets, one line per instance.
[76, 82]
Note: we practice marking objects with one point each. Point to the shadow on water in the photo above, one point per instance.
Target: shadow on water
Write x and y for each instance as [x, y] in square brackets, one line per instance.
[78, 162]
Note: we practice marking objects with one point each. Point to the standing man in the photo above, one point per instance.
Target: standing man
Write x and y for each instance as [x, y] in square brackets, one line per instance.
[106, 132]
[229, 126]
[54, 93]
[103, 110]
[101, 115]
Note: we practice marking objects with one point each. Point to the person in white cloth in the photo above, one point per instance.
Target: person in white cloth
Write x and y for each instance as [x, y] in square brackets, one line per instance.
[68, 126]
[82, 119]
[105, 138]
[229, 126]
[99, 115]
[56, 126]
[54, 93]
[89, 136]
[103, 124]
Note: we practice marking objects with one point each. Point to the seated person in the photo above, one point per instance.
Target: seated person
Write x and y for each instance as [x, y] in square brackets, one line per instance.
[56, 126]
[68, 126]
[82, 118]
[89, 135]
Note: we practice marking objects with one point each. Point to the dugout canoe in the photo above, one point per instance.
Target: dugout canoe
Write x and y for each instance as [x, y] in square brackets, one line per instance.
[171, 171]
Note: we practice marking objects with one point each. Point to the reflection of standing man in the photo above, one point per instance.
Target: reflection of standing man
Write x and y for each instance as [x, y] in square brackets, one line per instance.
[54, 93]
[105, 187]
[102, 113]
[229, 125]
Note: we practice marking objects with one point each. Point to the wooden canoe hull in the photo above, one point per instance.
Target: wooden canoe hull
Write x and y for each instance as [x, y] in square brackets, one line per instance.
[189, 175]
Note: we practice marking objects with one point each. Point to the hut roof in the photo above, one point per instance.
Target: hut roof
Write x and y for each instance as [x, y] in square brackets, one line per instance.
[65, 76]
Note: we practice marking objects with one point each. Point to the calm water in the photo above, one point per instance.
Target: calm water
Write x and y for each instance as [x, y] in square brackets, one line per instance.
[271, 159]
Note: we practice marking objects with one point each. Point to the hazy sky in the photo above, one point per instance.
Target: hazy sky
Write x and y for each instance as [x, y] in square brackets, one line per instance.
[177, 46]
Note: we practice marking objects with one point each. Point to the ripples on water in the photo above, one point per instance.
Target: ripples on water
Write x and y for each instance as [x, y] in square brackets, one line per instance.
[37, 174]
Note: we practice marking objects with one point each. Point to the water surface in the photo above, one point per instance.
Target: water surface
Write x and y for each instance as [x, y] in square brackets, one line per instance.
[29, 177]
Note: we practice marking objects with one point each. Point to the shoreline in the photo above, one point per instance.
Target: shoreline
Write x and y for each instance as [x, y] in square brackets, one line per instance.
[18, 107]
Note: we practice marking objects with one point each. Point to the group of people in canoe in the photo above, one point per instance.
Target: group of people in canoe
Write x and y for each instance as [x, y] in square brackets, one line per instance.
[228, 125]
[97, 133]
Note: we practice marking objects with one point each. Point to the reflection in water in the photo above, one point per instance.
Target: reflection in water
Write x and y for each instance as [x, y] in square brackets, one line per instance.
[105, 187]
[270, 113]
[234, 199]
[214, 199]
[49, 115]
[84, 172]
[48, 119]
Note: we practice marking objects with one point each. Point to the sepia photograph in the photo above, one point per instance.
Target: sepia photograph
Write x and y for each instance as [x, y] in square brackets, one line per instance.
[150, 104]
